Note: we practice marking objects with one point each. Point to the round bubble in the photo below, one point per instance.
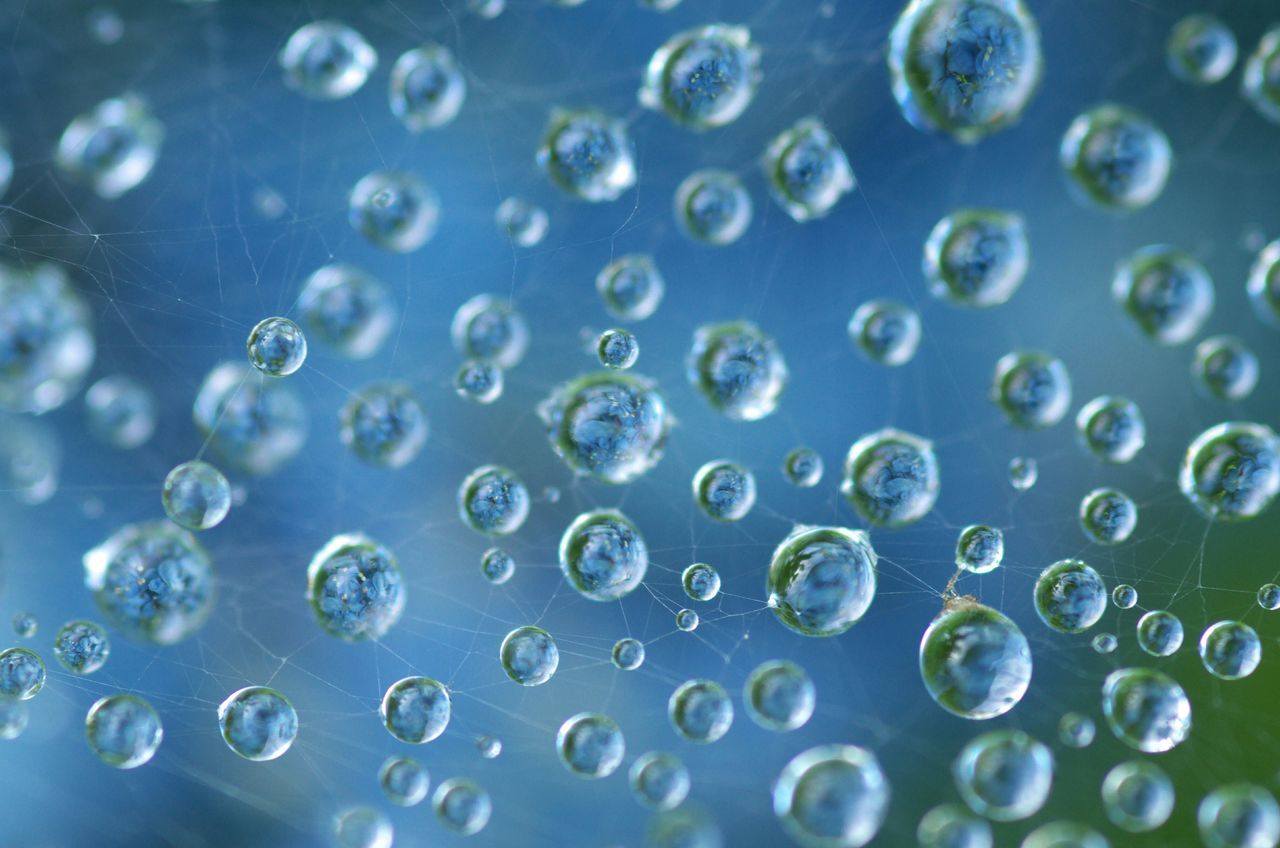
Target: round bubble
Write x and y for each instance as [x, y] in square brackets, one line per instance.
[354, 588]
[588, 155]
[196, 495]
[1105, 643]
[1160, 633]
[1062, 834]
[347, 309]
[30, 458]
[1261, 82]
[1004, 775]
[123, 731]
[258, 723]
[111, 148]
[462, 806]
[603, 555]
[713, 207]
[1023, 472]
[1231, 472]
[628, 654]
[965, 67]
[22, 674]
[1224, 368]
[1239, 815]
[700, 711]
[803, 467]
[394, 210]
[953, 826]
[659, 780]
[1076, 730]
[479, 380]
[832, 795]
[617, 349]
[25, 625]
[1146, 709]
[1137, 796]
[610, 426]
[327, 60]
[1124, 596]
[253, 424]
[631, 287]
[277, 347]
[404, 781]
[703, 78]
[980, 549]
[1230, 650]
[822, 579]
[493, 500]
[427, 88]
[489, 328]
[522, 221]
[1115, 158]
[384, 424]
[363, 827]
[688, 826]
[724, 490]
[14, 717]
[1165, 292]
[738, 369]
[590, 745]
[687, 620]
[46, 342]
[1264, 282]
[81, 647]
[1031, 388]
[121, 412]
[974, 661]
[153, 581]
[807, 170]
[1269, 596]
[529, 655]
[497, 566]
[976, 257]
[1201, 50]
[886, 331]
[1108, 516]
[779, 695]
[701, 581]
[1070, 596]
[416, 709]
[891, 478]
[1112, 428]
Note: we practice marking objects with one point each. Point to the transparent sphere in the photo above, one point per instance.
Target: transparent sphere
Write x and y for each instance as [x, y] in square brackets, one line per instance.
[779, 695]
[277, 347]
[965, 67]
[803, 467]
[120, 412]
[603, 555]
[479, 380]
[724, 490]
[327, 60]
[22, 674]
[1224, 368]
[1070, 596]
[1105, 643]
[617, 349]
[404, 781]
[1146, 709]
[701, 581]
[497, 566]
[490, 328]
[493, 500]
[590, 745]
[394, 210]
[588, 155]
[953, 826]
[610, 426]
[659, 780]
[462, 806]
[628, 654]
[1231, 472]
[1264, 279]
[196, 495]
[363, 827]
[832, 796]
[123, 731]
[1124, 596]
[1112, 428]
[1160, 633]
[14, 718]
[700, 711]
[529, 655]
[980, 549]
[1137, 796]
[703, 78]
[1115, 158]
[687, 620]
[1261, 82]
[384, 424]
[25, 625]
[977, 257]
[1076, 730]
[1230, 650]
[30, 458]
[1269, 596]
[631, 287]
[1108, 516]
[253, 424]
[153, 581]
[427, 88]
[1239, 815]
[522, 221]
[1024, 471]
[891, 478]
[1004, 775]
[1165, 292]
[416, 709]
[713, 207]
[1064, 834]
[6, 164]
[112, 147]
[348, 310]
[822, 579]
[886, 331]
[807, 170]
[1201, 50]
[490, 747]
[1032, 389]
[46, 341]
[738, 368]
[354, 588]
[81, 647]
[258, 723]
[974, 661]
